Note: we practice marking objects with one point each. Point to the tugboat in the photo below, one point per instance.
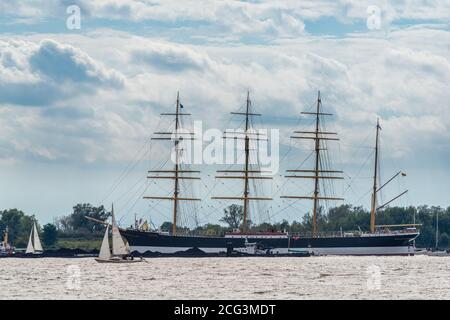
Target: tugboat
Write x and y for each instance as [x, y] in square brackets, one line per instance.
[6, 250]
[253, 249]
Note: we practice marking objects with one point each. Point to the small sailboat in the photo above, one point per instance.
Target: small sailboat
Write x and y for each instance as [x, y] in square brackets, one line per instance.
[34, 243]
[120, 251]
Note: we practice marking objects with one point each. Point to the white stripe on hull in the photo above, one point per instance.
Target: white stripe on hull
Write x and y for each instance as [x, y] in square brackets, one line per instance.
[398, 250]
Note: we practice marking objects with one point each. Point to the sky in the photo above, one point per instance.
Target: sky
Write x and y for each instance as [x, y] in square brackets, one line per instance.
[82, 84]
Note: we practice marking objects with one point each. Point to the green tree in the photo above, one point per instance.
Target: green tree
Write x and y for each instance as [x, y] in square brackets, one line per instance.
[443, 240]
[78, 221]
[297, 227]
[49, 234]
[282, 226]
[233, 216]
[265, 226]
[19, 225]
[166, 226]
[63, 224]
[213, 229]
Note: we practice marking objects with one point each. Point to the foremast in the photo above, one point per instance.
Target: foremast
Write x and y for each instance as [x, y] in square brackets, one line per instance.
[177, 173]
[317, 173]
[248, 173]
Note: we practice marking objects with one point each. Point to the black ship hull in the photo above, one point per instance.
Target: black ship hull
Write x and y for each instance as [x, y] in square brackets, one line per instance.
[366, 244]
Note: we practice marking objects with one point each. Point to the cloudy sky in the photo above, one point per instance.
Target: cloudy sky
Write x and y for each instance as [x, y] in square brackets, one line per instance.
[78, 105]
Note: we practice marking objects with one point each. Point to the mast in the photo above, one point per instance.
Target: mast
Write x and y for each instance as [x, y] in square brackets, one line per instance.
[375, 178]
[374, 206]
[316, 168]
[247, 153]
[437, 230]
[318, 173]
[175, 189]
[177, 172]
[247, 172]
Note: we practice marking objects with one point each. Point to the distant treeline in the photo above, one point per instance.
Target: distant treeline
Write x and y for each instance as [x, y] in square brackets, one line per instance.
[345, 217]
[73, 227]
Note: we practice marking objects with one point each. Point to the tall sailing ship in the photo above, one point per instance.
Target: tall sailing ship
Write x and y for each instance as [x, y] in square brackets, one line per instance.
[381, 240]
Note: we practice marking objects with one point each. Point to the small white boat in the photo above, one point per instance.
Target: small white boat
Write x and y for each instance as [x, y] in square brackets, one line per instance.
[252, 248]
[34, 246]
[120, 251]
[438, 254]
[421, 252]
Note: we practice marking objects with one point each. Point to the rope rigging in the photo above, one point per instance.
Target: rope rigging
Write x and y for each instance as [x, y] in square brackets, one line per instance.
[190, 213]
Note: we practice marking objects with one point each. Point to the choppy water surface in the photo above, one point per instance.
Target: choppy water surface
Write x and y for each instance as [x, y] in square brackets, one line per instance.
[419, 277]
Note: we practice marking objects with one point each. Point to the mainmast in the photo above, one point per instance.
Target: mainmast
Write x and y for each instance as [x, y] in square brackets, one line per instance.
[247, 154]
[247, 172]
[316, 167]
[375, 179]
[175, 189]
[177, 136]
[317, 135]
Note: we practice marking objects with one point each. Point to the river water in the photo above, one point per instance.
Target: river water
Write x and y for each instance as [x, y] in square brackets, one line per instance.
[419, 277]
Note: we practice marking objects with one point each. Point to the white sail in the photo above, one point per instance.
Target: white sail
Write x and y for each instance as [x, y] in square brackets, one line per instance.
[36, 240]
[30, 248]
[118, 245]
[105, 252]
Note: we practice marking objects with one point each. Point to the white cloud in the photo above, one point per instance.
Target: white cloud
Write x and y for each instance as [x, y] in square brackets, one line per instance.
[271, 18]
[99, 92]
[59, 62]
[360, 78]
[171, 57]
[41, 74]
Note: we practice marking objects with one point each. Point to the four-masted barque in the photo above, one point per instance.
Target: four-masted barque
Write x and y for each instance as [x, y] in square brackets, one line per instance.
[379, 241]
